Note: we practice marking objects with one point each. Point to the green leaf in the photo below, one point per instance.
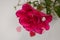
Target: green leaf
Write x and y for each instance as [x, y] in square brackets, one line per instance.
[48, 10]
[48, 6]
[57, 10]
[35, 3]
[48, 2]
[30, 2]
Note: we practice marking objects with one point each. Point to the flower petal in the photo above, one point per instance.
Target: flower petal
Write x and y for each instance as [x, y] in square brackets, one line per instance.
[18, 29]
[32, 34]
[48, 18]
[27, 7]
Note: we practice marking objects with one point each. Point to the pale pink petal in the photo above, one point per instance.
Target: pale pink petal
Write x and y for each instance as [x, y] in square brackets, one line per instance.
[18, 29]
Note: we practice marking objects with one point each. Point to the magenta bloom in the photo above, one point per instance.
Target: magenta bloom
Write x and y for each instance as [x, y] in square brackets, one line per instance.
[31, 19]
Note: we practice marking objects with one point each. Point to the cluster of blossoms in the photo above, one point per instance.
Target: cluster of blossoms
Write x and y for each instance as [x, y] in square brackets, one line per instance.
[31, 19]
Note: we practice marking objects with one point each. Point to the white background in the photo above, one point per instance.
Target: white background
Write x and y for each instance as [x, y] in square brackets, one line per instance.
[9, 22]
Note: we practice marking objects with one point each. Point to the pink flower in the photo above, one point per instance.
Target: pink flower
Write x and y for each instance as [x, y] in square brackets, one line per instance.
[31, 19]
[27, 7]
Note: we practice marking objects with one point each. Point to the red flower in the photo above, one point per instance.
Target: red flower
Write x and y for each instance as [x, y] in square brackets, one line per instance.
[31, 19]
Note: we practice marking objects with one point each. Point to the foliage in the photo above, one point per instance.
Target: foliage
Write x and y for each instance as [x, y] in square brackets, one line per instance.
[49, 5]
